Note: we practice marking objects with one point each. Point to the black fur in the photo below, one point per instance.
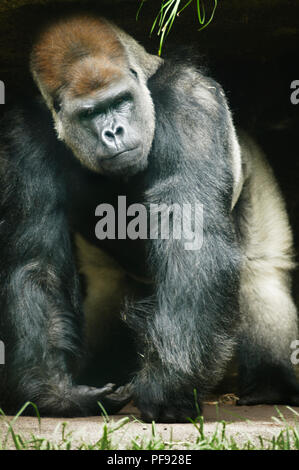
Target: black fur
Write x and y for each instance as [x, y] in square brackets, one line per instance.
[189, 324]
[186, 325]
[41, 315]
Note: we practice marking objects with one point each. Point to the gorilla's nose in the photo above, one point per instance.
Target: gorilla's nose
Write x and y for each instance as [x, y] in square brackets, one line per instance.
[112, 137]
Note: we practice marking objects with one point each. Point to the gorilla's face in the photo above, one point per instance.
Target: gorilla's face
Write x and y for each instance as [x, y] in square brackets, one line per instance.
[110, 130]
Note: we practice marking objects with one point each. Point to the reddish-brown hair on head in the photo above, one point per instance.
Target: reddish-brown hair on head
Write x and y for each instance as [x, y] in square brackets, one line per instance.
[81, 53]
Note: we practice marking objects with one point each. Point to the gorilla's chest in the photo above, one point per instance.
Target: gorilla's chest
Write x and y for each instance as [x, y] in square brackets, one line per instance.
[85, 193]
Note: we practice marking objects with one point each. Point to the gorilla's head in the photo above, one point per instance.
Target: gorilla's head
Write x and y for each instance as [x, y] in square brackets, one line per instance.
[93, 78]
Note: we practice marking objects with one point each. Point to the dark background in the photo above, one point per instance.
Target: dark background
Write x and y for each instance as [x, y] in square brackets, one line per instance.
[251, 48]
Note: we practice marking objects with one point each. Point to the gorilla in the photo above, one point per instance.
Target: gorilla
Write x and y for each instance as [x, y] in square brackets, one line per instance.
[80, 310]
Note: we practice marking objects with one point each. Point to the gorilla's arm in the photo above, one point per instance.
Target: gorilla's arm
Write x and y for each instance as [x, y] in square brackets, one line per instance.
[189, 324]
[41, 322]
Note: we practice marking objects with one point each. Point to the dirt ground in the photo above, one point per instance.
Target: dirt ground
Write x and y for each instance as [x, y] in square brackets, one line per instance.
[244, 423]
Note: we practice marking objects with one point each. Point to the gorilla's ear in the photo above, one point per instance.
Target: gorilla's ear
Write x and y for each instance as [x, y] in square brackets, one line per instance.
[144, 62]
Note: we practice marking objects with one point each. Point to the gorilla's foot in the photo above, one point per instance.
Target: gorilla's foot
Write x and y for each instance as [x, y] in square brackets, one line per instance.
[272, 386]
[270, 397]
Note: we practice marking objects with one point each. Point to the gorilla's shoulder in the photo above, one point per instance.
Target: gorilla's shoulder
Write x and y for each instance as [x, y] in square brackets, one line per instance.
[26, 114]
[176, 60]
[184, 79]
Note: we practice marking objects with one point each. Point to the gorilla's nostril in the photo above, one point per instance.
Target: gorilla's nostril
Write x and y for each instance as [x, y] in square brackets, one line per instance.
[119, 131]
[109, 135]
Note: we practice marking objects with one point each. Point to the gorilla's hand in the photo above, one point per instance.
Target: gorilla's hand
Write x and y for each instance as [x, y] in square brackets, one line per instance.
[178, 406]
[67, 401]
[78, 400]
[85, 400]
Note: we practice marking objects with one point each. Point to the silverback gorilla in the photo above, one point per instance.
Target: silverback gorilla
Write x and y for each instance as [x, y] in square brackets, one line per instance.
[112, 120]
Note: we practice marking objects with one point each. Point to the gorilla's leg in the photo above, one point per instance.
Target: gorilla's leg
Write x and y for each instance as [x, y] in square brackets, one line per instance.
[269, 326]
[269, 317]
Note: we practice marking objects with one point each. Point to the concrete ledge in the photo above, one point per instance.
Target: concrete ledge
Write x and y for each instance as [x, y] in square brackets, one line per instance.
[243, 424]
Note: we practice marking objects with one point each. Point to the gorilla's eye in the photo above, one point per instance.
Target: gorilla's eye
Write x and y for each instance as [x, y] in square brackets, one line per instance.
[122, 100]
[88, 113]
[133, 72]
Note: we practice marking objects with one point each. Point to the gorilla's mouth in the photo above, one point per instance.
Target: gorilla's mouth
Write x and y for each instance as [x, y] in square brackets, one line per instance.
[126, 163]
[127, 152]
[126, 157]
